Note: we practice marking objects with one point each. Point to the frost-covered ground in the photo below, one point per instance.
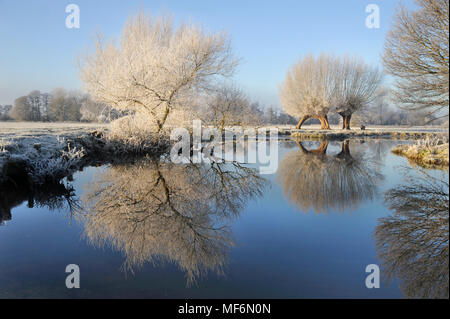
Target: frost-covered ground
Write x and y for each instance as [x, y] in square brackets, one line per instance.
[18, 137]
[42, 146]
[39, 130]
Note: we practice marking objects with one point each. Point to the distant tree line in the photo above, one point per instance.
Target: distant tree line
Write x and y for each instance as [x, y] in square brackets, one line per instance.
[58, 106]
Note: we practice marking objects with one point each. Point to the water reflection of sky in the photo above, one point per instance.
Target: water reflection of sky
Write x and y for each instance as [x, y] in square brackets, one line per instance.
[278, 250]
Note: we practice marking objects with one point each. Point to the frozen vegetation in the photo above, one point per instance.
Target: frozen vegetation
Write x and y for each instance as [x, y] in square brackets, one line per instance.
[43, 149]
[44, 153]
[431, 152]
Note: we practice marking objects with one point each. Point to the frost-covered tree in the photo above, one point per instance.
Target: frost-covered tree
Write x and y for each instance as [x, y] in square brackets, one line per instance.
[31, 107]
[156, 67]
[229, 105]
[34, 104]
[354, 87]
[305, 93]
[92, 111]
[417, 54]
[21, 110]
[65, 105]
[4, 112]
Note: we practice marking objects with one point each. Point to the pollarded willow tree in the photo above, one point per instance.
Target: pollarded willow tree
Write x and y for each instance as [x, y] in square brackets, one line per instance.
[417, 53]
[306, 91]
[355, 87]
[157, 67]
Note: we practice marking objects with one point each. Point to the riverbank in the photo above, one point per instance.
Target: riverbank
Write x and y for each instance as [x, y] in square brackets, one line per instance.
[400, 134]
[51, 151]
[428, 153]
[37, 154]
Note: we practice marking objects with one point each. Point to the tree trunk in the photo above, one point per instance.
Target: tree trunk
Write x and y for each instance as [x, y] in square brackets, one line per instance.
[163, 120]
[302, 120]
[222, 125]
[324, 124]
[346, 121]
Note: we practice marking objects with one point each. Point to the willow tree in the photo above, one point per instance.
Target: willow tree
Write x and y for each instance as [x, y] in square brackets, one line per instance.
[416, 53]
[306, 91]
[156, 67]
[355, 87]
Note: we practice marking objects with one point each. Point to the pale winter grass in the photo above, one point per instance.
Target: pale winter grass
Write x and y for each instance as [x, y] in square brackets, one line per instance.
[427, 152]
[45, 150]
[34, 130]
[42, 166]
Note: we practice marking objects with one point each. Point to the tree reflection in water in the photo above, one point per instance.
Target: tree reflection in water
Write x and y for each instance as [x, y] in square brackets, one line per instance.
[323, 182]
[155, 211]
[413, 242]
[56, 196]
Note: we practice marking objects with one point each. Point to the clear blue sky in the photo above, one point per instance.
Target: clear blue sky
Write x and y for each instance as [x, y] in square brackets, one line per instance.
[37, 51]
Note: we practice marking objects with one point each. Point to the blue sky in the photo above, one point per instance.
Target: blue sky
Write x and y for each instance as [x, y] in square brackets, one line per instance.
[37, 51]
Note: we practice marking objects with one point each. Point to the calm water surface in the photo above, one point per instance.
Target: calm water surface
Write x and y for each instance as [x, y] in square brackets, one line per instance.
[155, 229]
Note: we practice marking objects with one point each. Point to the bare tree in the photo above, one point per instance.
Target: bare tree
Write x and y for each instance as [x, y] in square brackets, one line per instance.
[305, 93]
[21, 110]
[4, 112]
[32, 107]
[33, 100]
[380, 105]
[355, 87]
[92, 111]
[417, 54]
[65, 105]
[157, 67]
[229, 106]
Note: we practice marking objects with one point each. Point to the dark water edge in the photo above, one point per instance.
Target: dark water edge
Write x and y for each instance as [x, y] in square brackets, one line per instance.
[299, 233]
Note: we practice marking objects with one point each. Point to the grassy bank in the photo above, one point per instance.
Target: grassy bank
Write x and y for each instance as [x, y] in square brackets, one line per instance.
[428, 153]
[346, 134]
[43, 153]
